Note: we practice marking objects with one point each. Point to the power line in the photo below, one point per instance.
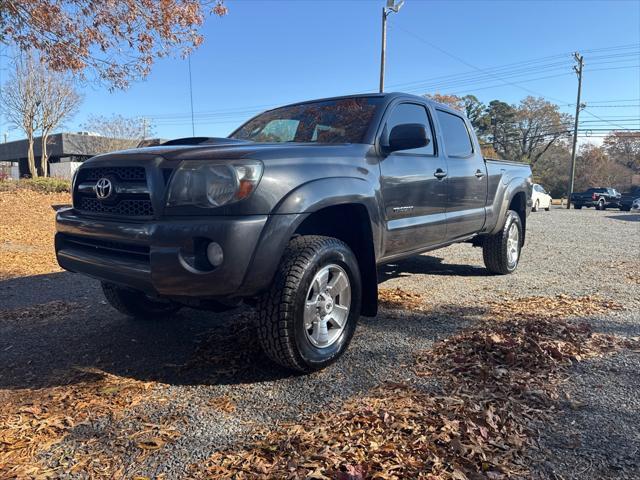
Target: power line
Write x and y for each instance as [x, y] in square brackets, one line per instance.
[475, 79]
[501, 73]
[601, 119]
[614, 106]
[461, 60]
[614, 101]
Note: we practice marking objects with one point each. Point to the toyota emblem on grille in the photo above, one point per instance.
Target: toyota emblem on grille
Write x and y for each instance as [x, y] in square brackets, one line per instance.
[103, 188]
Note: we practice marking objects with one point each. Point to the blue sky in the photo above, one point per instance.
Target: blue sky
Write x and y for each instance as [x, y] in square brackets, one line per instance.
[266, 53]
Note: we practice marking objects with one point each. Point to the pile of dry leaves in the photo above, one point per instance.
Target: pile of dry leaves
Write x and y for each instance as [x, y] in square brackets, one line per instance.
[400, 299]
[35, 423]
[497, 382]
[547, 307]
[35, 420]
[27, 225]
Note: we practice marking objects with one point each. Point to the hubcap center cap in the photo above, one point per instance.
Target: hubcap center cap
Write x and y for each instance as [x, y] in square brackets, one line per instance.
[326, 304]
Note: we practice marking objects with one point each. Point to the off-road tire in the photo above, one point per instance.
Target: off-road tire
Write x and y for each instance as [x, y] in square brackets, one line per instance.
[137, 304]
[280, 315]
[494, 247]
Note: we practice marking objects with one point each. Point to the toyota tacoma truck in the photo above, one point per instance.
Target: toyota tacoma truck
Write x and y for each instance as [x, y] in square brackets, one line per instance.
[292, 213]
[600, 198]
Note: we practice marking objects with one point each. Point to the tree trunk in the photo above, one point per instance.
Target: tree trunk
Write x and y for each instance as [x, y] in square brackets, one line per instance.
[44, 159]
[31, 160]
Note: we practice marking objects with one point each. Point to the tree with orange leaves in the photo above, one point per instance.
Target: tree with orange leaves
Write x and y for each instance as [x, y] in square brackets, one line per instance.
[114, 41]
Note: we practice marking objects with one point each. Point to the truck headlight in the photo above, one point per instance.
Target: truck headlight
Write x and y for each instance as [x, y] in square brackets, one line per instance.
[206, 184]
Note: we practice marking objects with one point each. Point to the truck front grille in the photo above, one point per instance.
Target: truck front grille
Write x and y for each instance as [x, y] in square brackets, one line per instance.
[124, 208]
[132, 198]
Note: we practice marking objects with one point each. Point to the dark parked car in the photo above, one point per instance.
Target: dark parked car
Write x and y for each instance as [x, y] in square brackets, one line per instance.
[292, 213]
[627, 198]
[601, 198]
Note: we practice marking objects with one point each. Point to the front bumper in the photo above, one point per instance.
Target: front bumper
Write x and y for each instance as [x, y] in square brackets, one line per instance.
[149, 256]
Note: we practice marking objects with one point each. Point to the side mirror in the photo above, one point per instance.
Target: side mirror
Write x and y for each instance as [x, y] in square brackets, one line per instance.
[407, 136]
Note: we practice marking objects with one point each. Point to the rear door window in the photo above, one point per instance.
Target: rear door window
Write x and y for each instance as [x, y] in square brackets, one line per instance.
[457, 141]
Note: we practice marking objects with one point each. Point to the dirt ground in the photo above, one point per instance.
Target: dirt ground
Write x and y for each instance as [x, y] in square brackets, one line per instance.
[88, 393]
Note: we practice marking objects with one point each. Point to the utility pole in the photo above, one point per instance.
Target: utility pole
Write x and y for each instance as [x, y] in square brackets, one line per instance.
[391, 7]
[144, 128]
[578, 69]
[193, 125]
[494, 122]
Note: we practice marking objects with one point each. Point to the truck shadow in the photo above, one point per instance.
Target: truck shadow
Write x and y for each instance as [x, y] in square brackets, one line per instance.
[427, 265]
[58, 326]
[54, 327]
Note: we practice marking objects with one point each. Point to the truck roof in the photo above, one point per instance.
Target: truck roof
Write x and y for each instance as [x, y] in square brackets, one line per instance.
[388, 96]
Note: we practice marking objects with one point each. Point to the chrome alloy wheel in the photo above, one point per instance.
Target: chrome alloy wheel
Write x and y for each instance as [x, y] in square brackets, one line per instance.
[513, 245]
[326, 309]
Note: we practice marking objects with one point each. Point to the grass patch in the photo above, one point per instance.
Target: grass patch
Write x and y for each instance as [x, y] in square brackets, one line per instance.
[40, 184]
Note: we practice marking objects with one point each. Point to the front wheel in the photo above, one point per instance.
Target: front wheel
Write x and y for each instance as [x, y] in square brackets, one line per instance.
[600, 205]
[137, 304]
[577, 207]
[501, 251]
[308, 316]
[536, 207]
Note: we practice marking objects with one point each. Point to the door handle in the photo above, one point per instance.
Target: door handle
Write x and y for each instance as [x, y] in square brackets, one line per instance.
[479, 173]
[439, 174]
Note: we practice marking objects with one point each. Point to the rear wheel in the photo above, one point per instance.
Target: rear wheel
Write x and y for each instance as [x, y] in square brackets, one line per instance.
[137, 304]
[501, 251]
[307, 318]
[601, 205]
[577, 207]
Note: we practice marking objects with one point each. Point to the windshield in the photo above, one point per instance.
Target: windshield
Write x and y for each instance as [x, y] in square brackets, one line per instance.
[333, 121]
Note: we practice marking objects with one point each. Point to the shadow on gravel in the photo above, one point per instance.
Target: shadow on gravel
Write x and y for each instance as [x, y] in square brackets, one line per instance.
[53, 344]
[626, 218]
[22, 292]
[428, 265]
[50, 345]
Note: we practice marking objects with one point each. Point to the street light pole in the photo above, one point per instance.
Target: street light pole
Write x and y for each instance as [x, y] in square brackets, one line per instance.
[391, 7]
[383, 53]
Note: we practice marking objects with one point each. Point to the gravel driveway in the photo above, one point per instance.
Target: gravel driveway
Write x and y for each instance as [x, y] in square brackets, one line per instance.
[200, 357]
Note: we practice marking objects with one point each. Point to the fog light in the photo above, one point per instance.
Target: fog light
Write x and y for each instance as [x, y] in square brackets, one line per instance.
[214, 254]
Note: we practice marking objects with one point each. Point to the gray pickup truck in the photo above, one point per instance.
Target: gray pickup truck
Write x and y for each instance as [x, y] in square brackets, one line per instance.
[292, 213]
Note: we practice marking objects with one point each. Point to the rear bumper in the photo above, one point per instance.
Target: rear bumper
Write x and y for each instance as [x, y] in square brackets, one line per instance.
[151, 256]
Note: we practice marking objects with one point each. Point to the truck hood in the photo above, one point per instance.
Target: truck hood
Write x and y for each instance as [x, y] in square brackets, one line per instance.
[230, 149]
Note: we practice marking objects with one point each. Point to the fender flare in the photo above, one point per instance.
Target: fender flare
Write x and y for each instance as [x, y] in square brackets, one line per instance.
[516, 185]
[296, 207]
[312, 196]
